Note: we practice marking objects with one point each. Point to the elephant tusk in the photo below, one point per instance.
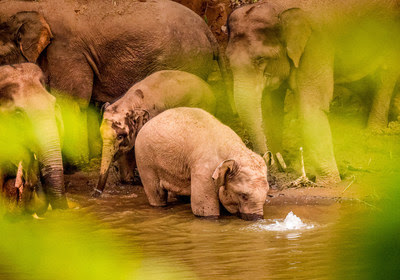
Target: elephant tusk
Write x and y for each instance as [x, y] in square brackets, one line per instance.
[18, 179]
[19, 184]
[35, 216]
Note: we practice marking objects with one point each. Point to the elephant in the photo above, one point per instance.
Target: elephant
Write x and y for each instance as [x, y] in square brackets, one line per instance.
[94, 52]
[187, 151]
[30, 139]
[158, 92]
[307, 47]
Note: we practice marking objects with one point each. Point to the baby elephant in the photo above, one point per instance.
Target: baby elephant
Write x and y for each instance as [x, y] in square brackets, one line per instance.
[187, 151]
[123, 119]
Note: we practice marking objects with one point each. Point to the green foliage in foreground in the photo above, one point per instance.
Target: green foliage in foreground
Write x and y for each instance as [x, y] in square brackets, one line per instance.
[375, 245]
[66, 245]
[380, 245]
[59, 250]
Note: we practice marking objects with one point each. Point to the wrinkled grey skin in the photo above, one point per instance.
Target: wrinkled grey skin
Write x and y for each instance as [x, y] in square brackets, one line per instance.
[308, 46]
[122, 120]
[187, 151]
[25, 103]
[96, 51]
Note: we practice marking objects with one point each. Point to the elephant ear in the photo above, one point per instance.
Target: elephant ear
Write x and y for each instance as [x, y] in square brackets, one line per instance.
[225, 169]
[296, 30]
[104, 107]
[139, 93]
[32, 34]
[141, 117]
[135, 121]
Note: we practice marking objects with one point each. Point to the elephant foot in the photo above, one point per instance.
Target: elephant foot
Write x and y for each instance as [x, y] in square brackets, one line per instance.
[327, 179]
[97, 193]
[59, 203]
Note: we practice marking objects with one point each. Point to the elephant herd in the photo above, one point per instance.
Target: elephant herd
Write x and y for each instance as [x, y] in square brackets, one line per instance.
[150, 62]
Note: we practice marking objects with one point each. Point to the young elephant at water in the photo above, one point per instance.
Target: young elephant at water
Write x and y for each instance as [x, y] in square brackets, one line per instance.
[187, 151]
[123, 119]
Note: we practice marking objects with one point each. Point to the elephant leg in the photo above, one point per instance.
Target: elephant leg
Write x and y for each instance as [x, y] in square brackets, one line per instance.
[94, 137]
[75, 145]
[291, 134]
[379, 114]
[203, 197]
[127, 165]
[314, 80]
[272, 109]
[156, 195]
[248, 97]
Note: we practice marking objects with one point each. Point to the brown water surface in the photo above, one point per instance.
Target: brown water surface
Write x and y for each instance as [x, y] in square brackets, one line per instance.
[229, 248]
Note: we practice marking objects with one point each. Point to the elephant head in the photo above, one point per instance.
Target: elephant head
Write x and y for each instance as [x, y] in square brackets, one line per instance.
[23, 38]
[24, 99]
[265, 43]
[242, 189]
[118, 131]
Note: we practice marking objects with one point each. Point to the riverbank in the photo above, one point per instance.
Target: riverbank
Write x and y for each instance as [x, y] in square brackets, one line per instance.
[80, 186]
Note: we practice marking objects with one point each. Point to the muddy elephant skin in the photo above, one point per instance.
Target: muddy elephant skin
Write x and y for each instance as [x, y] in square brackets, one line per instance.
[96, 51]
[187, 151]
[308, 46]
[122, 120]
[30, 138]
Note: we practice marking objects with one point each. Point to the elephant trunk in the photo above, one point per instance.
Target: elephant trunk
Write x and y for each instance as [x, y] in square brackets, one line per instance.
[253, 210]
[248, 90]
[106, 160]
[50, 160]
[251, 217]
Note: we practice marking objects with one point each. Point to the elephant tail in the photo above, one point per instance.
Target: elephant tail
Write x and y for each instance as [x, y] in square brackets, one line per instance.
[226, 73]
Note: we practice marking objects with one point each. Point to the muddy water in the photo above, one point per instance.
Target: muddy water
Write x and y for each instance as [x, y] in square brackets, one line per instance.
[230, 248]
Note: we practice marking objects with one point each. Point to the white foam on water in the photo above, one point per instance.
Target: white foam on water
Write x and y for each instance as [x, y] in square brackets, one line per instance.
[291, 222]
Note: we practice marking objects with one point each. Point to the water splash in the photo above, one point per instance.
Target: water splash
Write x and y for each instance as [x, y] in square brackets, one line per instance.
[291, 222]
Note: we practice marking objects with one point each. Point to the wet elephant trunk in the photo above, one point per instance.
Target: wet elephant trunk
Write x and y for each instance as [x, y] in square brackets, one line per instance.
[248, 90]
[251, 217]
[252, 210]
[106, 160]
[50, 160]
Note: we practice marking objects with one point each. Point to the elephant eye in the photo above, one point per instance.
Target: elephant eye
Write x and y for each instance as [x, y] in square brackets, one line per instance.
[121, 136]
[259, 61]
[42, 81]
[18, 113]
[244, 196]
